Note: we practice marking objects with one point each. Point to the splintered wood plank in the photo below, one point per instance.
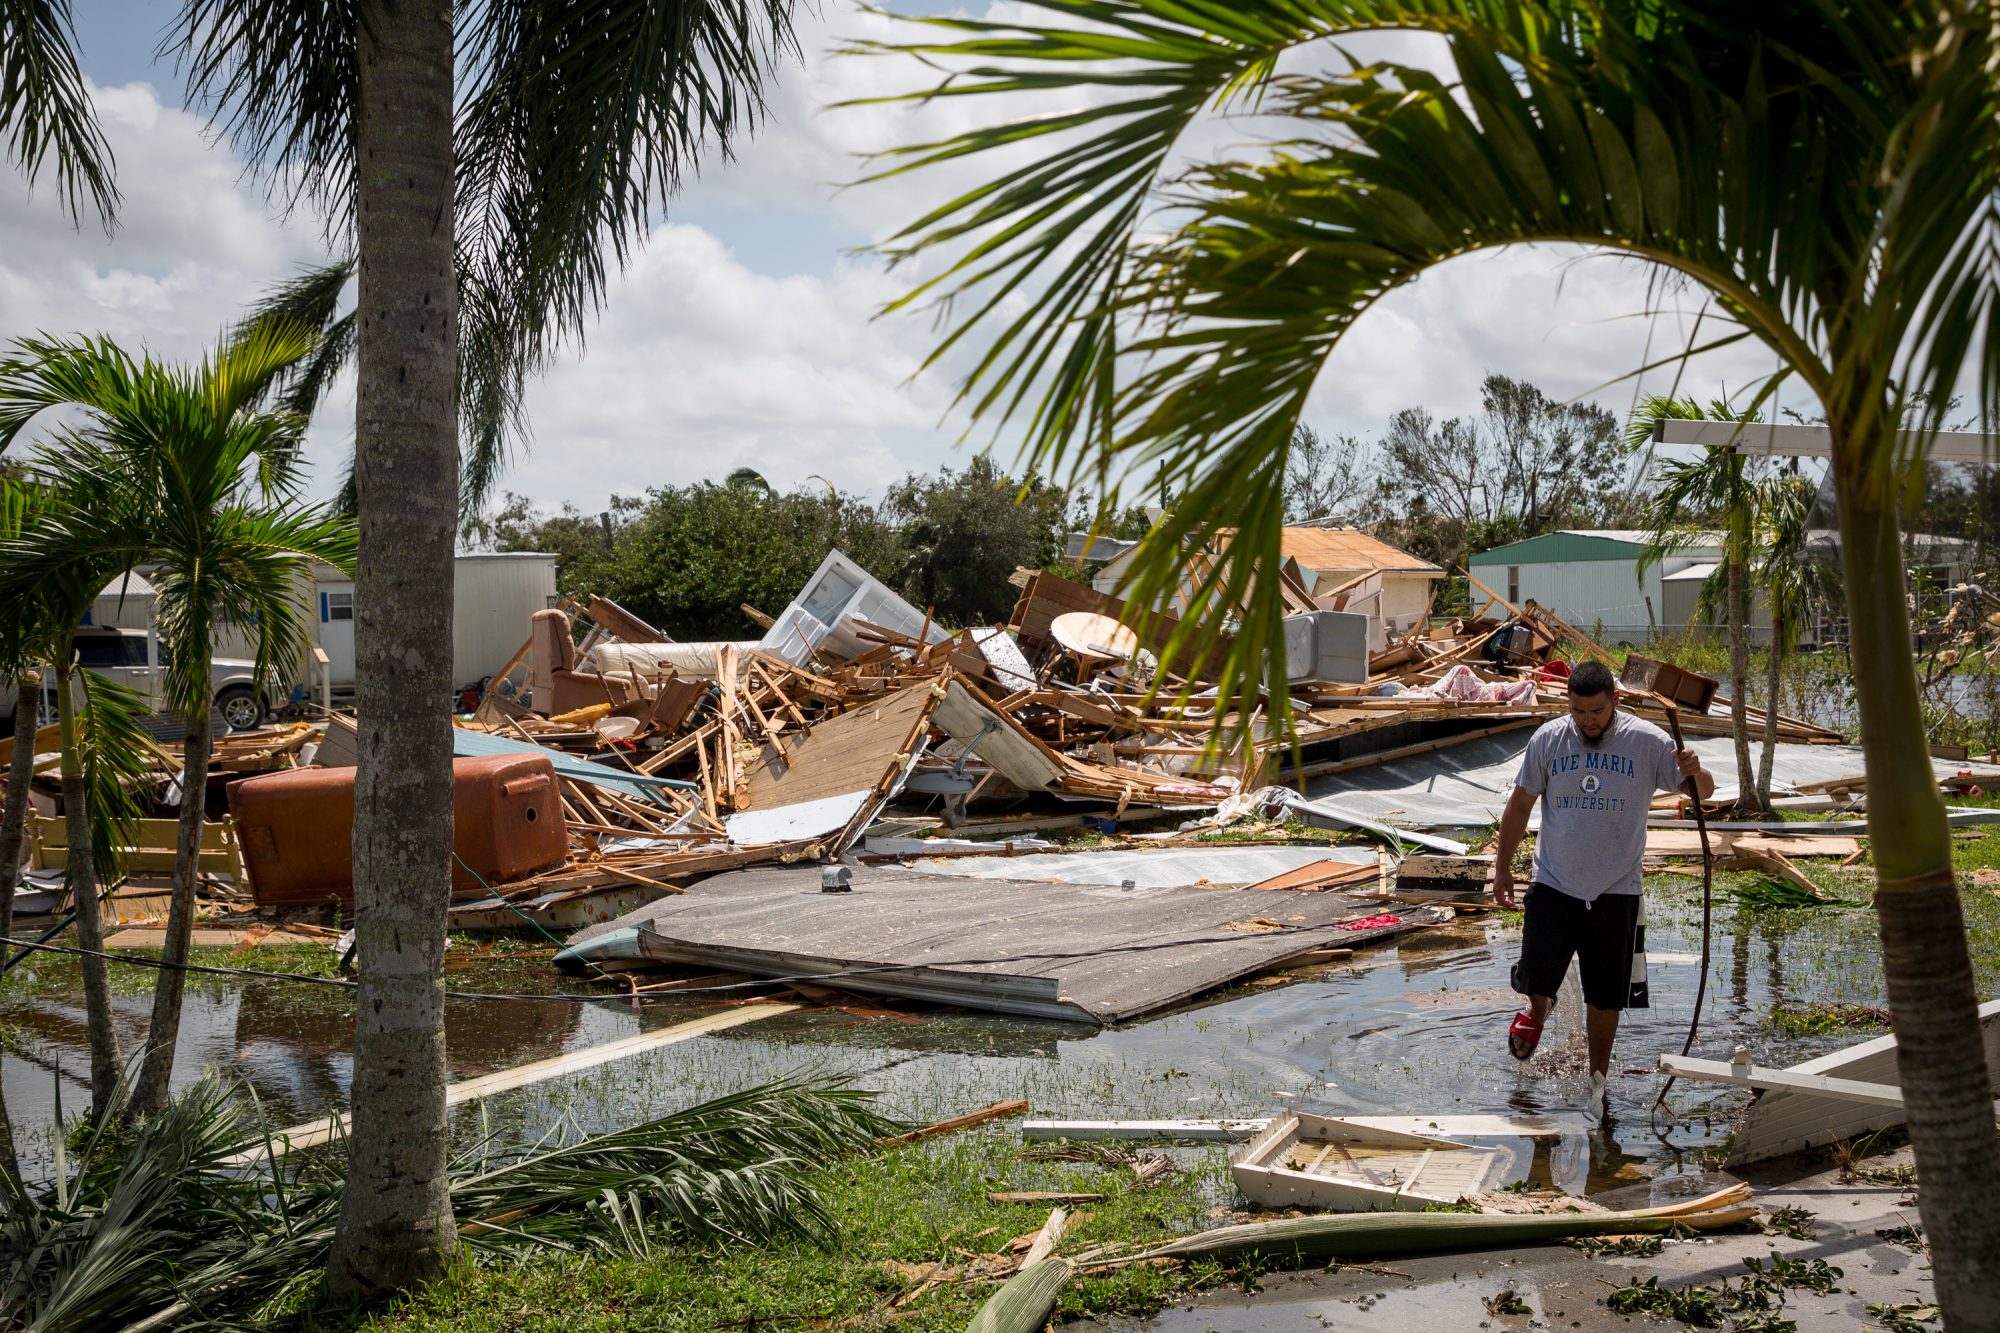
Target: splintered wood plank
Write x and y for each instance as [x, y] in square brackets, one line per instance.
[851, 752]
[335, 1126]
[1687, 842]
[1319, 875]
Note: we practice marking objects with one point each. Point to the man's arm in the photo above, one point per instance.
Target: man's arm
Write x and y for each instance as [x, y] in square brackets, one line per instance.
[1513, 823]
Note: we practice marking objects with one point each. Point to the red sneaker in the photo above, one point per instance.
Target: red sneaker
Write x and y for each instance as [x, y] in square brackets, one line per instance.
[1523, 1036]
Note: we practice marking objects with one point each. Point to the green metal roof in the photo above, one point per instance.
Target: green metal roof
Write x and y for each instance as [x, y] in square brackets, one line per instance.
[1563, 546]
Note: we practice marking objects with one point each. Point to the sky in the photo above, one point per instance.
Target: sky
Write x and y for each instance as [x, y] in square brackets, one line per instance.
[747, 330]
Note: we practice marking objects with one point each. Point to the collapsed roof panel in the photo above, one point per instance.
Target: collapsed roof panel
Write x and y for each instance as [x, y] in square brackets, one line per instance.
[1085, 953]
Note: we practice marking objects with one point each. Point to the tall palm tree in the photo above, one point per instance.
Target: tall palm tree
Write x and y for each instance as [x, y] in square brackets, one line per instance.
[575, 124]
[44, 107]
[1687, 494]
[105, 753]
[1793, 582]
[181, 475]
[1827, 174]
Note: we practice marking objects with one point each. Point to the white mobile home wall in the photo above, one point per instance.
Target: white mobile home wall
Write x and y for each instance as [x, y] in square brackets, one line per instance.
[1590, 579]
[495, 593]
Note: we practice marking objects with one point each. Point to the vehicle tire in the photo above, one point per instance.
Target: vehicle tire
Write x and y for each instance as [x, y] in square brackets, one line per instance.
[240, 708]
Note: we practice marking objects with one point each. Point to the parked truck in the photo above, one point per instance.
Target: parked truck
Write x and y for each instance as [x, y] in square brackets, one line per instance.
[132, 658]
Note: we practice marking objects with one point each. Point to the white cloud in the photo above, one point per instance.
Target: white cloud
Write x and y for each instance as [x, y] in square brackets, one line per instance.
[748, 339]
[193, 244]
[1559, 317]
[701, 366]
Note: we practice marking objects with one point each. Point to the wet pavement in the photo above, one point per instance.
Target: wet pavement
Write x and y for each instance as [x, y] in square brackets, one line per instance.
[1564, 1288]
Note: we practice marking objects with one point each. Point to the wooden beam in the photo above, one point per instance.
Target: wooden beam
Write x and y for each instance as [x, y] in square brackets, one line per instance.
[335, 1126]
[1144, 1131]
[958, 1122]
[1781, 1080]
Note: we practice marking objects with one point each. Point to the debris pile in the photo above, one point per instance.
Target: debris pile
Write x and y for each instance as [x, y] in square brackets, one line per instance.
[856, 713]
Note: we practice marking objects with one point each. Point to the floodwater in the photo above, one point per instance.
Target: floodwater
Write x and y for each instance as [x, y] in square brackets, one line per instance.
[1415, 1027]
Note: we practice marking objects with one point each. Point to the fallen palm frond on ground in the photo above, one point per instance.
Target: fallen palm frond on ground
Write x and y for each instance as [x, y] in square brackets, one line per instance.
[1025, 1302]
[161, 1233]
[1371, 1235]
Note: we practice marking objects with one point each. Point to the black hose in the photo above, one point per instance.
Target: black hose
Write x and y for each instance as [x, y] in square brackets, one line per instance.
[43, 938]
[1707, 913]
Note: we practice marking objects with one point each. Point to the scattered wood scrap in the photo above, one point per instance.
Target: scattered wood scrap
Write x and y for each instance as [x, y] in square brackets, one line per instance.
[996, 1111]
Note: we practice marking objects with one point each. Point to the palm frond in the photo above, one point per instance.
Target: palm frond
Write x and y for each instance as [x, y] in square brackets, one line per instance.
[44, 107]
[579, 121]
[312, 299]
[726, 1168]
[107, 1239]
[119, 762]
[1741, 153]
[282, 80]
[167, 1226]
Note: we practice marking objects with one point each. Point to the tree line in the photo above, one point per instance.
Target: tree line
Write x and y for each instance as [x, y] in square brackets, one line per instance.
[689, 557]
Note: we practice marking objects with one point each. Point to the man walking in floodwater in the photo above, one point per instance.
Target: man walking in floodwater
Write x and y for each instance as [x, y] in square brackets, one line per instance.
[1595, 773]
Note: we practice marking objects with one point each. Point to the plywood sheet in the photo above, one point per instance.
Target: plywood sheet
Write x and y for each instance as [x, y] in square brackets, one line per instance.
[1082, 952]
[856, 751]
[1687, 842]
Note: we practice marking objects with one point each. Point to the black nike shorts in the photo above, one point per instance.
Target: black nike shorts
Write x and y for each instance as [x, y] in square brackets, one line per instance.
[1602, 936]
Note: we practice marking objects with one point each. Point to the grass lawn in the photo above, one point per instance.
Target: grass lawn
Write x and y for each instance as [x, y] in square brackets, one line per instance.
[899, 1214]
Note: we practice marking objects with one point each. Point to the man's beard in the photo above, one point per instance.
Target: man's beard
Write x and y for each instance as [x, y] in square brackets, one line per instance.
[1593, 741]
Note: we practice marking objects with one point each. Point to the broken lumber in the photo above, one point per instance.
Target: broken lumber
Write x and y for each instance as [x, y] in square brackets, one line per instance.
[1776, 864]
[985, 1113]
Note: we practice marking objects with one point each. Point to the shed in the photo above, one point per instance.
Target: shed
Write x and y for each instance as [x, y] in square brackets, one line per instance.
[493, 592]
[1590, 577]
[1329, 558]
[1680, 597]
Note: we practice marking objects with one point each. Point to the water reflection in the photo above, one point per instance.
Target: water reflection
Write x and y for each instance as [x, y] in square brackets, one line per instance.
[1417, 1027]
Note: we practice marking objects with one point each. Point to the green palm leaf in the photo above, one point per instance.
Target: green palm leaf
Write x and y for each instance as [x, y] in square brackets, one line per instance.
[44, 107]
[167, 1227]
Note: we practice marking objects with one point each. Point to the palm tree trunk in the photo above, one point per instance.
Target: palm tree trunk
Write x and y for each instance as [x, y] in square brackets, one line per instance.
[20, 774]
[1739, 682]
[106, 1067]
[1926, 964]
[163, 1032]
[396, 1226]
[1769, 758]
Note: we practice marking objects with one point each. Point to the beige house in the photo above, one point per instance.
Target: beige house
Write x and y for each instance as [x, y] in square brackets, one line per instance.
[1330, 558]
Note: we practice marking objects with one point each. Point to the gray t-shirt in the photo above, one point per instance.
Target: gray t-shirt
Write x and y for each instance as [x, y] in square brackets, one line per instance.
[1594, 802]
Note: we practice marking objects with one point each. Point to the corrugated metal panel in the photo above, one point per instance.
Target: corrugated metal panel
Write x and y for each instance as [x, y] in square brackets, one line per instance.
[493, 595]
[1466, 786]
[1148, 868]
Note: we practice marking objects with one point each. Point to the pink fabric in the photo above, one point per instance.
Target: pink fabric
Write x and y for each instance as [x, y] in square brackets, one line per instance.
[1463, 683]
[1372, 922]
